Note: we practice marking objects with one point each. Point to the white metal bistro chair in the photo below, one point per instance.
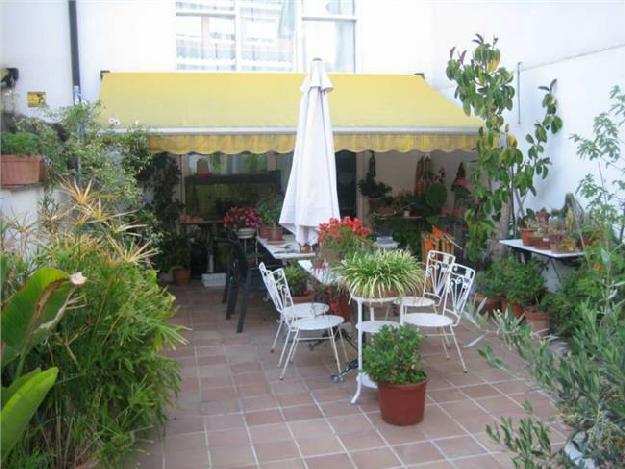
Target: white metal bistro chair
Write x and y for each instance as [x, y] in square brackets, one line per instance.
[459, 284]
[288, 311]
[437, 268]
[297, 324]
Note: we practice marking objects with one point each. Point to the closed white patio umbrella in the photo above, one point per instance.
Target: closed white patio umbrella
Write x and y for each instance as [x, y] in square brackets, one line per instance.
[311, 196]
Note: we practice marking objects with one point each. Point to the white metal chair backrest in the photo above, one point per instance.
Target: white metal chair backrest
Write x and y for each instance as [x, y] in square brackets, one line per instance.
[459, 284]
[282, 289]
[437, 268]
[270, 284]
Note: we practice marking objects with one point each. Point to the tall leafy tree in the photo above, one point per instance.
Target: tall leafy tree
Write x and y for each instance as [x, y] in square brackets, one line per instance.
[502, 174]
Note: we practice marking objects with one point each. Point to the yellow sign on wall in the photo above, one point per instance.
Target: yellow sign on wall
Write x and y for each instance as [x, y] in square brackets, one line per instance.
[36, 98]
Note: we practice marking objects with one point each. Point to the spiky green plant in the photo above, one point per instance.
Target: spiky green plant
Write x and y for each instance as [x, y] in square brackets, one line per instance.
[114, 382]
[381, 274]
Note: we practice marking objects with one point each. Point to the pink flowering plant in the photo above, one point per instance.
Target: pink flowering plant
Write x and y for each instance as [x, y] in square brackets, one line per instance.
[241, 217]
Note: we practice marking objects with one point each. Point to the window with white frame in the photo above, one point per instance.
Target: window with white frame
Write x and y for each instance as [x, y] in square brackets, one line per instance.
[265, 35]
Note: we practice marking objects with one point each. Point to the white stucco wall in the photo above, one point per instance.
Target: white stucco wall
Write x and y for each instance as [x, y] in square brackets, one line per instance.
[581, 44]
[35, 39]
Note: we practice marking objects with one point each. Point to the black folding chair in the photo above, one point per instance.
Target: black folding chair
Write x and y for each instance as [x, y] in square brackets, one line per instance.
[242, 274]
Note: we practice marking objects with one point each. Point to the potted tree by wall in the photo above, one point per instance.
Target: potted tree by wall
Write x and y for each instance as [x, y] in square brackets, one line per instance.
[392, 360]
[297, 279]
[21, 159]
[182, 254]
[268, 210]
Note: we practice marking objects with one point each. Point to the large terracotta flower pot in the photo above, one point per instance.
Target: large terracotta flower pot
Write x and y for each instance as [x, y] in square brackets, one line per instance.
[539, 321]
[18, 170]
[515, 308]
[402, 404]
[491, 304]
[182, 277]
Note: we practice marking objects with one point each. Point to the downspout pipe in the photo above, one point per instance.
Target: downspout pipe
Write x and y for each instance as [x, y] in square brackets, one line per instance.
[73, 38]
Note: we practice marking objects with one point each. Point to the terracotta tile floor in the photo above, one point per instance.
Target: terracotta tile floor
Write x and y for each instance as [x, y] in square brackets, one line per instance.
[233, 411]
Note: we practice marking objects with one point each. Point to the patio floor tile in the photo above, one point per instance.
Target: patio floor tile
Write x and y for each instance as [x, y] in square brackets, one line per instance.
[270, 433]
[263, 417]
[229, 456]
[234, 411]
[326, 444]
[276, 451]
[231, 436]
[362, 440]
[459, 446]
[379, 458]
[302, 412]
[187, 459]
[333, 461]
[418, 453]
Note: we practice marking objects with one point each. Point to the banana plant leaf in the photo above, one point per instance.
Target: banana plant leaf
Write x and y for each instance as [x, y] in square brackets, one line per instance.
[32, 312]
[20, 401]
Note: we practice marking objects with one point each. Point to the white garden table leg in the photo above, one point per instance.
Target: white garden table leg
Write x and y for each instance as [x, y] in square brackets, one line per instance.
[358, 375]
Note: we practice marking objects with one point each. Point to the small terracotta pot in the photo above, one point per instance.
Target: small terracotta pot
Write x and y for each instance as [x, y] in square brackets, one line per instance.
[539, 321]
[526, 236]
[540, 241]
[275, 233]
[182, 277]
[515, 308]
[402, 404]
[491, 304]
[264, 231]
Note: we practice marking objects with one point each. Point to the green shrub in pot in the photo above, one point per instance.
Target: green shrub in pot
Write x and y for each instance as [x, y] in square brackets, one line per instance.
[381, 274]
[297, 279]
[21, 160]
[392, 359]
[525, 283]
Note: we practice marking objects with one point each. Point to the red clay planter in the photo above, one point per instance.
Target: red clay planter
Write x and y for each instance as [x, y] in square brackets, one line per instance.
[402, 404]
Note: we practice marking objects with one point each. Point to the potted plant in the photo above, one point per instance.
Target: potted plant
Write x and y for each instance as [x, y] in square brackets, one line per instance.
[373, 190]
[488, 291]
[538, 317]
[524, 284]
[381, 274]
[21, 162]
[182, 254]
[243, 220]
[392, 360]
[268, 210]
[297, 279]
[338, 239]
[527, 228]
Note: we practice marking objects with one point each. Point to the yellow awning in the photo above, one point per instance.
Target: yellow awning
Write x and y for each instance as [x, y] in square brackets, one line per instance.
[258, 112]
